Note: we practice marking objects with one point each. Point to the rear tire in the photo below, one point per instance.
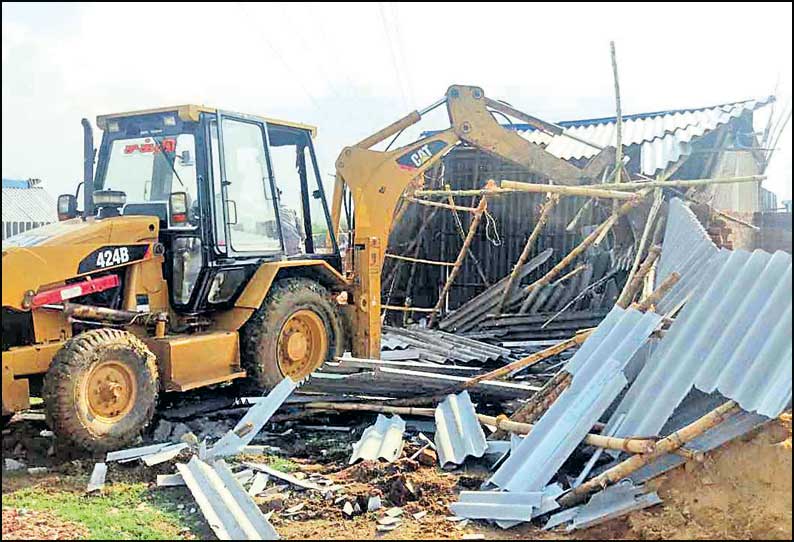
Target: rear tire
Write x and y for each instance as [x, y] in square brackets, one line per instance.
[101, 389]
[294, 332]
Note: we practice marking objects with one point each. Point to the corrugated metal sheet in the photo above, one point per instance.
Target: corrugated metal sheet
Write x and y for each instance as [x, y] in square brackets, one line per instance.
[597, 381]
[664, 137]
[229, 510]
[610, 503]
[458, 431]
[383, 440]
[734, 337]
[253, 421]
[28, 205]
[497, 505]
[448, 346]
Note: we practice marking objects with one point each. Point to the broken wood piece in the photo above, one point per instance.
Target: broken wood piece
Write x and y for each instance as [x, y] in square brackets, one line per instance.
[639, 185]
[418, 260]
[664, 446]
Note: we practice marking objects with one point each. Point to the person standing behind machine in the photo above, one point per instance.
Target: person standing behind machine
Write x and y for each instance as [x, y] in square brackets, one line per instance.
[291, 228]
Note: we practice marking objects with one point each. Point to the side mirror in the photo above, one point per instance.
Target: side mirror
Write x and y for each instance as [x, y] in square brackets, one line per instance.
[67, 206]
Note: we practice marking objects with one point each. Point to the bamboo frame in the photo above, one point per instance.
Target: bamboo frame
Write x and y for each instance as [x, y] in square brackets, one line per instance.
[591, 191]
[581, 247]
[459, 227]
[646, 231]
[669, 444]
[545, 211]
[461, 257]
[651, 300]
[618, 115]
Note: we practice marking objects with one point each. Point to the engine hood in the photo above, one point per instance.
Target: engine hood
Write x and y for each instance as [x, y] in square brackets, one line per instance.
[48, 256]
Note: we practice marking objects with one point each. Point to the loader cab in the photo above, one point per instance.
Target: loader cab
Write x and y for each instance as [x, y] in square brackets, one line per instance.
[230, 191]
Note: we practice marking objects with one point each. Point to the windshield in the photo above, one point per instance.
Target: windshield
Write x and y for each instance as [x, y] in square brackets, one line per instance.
[149, 169]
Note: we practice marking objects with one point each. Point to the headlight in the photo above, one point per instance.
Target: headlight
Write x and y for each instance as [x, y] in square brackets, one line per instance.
[110, 198]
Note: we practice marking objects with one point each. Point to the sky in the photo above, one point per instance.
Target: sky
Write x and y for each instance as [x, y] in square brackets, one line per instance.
[351, 69]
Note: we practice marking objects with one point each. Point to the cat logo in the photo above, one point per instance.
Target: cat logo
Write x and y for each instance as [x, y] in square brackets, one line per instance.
[420, 156]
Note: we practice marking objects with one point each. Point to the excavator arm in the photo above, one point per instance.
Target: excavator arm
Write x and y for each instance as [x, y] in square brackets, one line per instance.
[377, 180]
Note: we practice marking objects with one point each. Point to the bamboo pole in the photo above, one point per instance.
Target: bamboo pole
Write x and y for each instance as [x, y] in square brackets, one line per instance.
[633, 283]
[545, 211]
[475, 222]
[634, 446]
[635, 185]
[646, 231]
[650, 301]
[368, 407]
[441, 205]
[578, 269]
[462, 234]
[540, 402]
[667, 445]
[618, 115]
[592, 191]
[418, 260]
[589, 240]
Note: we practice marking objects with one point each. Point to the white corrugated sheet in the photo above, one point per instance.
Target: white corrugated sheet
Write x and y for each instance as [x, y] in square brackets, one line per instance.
[664, 137]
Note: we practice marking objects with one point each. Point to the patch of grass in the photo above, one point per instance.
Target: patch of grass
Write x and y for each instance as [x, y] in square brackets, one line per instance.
[122, 511]
[274, 461]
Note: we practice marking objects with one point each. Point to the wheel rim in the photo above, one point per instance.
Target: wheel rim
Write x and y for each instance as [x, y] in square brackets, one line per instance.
[111, 388]
[302, 344]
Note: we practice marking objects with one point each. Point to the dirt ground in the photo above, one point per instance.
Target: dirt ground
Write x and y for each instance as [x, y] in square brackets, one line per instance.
[742, 490]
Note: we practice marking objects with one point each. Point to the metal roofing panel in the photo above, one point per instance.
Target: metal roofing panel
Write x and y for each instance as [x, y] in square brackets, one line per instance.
[28, 205]
[734, 337]
[664, 137]
[446, 345]
[597, 381]
[383, 440]
[458, 431]
[228, 509]
[497, 505]
[612, 502]
[254, 420]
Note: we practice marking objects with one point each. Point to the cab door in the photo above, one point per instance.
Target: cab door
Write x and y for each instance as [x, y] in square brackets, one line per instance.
[246, 221]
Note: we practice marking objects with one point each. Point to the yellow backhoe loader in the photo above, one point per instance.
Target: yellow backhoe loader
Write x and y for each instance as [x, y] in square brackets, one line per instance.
[205, 252]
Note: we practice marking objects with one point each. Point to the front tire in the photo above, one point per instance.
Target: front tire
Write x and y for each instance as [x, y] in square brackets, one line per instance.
[101, 389]
[293, 333]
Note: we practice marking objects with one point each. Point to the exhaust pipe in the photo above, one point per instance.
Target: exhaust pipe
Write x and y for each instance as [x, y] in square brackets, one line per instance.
[88, 169]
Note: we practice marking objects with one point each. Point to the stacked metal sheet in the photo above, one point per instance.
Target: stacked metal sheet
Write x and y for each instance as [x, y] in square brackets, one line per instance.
[733, 337]
[438, 346]
[597, 381]
[477, 308]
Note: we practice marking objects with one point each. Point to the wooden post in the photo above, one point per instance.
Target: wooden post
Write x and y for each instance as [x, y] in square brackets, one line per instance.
[585, 190]
[667, 445]
[634, 283]
[475, 222]
[589, 240]
[545, 211]
[635, 446]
